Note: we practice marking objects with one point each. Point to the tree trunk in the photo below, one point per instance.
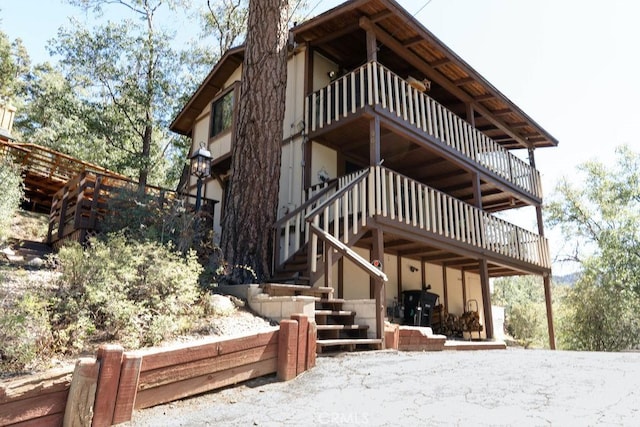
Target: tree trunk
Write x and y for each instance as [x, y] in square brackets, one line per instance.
[252, 193]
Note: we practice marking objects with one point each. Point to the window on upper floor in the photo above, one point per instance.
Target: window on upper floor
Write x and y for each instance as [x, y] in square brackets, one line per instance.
[222, 114]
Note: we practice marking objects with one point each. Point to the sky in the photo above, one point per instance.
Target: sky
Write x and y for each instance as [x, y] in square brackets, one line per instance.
[571, 65]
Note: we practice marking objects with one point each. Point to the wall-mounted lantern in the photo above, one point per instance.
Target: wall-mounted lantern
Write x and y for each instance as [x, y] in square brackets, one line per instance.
[200, 168]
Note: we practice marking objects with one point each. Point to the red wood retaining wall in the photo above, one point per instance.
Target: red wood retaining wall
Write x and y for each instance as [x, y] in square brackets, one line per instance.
[105, 390]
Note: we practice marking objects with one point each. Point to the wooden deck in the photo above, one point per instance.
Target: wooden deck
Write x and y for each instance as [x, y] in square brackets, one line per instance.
[46, 171]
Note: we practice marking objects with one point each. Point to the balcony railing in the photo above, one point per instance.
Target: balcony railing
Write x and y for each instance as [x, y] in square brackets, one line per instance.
[374, 84]
[342, 211]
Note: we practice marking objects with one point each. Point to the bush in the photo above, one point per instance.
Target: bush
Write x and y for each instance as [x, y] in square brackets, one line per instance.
[11, 190]
[137, 293]
[24, 334]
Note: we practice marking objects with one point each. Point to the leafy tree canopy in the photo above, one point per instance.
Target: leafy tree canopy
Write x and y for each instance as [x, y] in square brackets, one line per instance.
[602, 217]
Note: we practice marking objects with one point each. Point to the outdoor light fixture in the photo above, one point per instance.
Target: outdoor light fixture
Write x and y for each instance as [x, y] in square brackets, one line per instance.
[200, 168]
[413, 269]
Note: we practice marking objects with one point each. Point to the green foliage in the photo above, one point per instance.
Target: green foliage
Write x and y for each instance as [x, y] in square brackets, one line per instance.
[150, 218]
[137, 293]
[14, 63]
[525, 312]
[601, 218]
[24, 333]
[11, 190]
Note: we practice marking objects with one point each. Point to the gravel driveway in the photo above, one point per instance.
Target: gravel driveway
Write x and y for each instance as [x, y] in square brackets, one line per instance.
[390, 388]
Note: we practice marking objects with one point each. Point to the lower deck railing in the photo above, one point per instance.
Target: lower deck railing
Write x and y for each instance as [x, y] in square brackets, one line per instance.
[377, 191]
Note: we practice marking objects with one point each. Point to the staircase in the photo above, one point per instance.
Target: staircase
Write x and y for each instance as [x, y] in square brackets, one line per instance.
[337, 329]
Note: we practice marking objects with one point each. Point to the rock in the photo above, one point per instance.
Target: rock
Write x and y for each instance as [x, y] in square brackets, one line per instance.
[221, 305]
[35, 262]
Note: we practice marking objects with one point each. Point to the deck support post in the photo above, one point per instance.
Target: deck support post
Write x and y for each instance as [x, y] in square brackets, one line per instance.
[374, 141]
[377, 285]
[445, 287]
[486, 298]
[546, 278]
[399, 276]
[372, 46]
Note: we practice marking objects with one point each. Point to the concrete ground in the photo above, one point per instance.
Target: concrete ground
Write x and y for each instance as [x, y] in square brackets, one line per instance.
[390, 388]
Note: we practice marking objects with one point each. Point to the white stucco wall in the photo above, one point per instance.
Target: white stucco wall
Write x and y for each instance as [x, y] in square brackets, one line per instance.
[323, 159]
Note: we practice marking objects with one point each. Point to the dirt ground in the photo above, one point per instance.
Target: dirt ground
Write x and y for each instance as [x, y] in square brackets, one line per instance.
[390, 388]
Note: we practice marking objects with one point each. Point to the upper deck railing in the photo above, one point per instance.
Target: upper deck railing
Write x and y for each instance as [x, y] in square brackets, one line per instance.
[373, 84]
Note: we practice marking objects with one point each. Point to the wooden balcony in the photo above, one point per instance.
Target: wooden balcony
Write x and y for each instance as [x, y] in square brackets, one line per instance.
[374, 89]
[418, 222]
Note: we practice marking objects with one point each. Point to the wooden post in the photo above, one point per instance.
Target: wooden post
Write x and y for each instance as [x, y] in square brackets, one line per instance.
[127, 388]
[546, 278]
[374, 141]
[377, 253]
[547, 299]
[287, 350]
[341, 278]
[312, 336]
[82, 393]
[486, 298]
[303, 333]
[328, 264]
[445, 287]
[399, 276]
[372, 46]
[110, 359]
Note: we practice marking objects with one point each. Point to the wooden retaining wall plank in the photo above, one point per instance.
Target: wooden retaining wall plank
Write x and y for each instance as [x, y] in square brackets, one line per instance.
[171, 374]
[204, 383]
[53, 420]
[303, 330]
[33, 407]
[159, 358]
[110, 358]
[82, 393]
[288, 350]
[35, 385]
[128, 387]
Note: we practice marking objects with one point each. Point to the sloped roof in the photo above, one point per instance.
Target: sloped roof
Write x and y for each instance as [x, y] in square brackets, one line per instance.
[214, 81]
[340, 32]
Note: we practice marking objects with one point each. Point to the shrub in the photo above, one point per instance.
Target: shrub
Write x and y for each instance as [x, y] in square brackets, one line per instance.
[24, 334]
[135, 292]
[11, 190]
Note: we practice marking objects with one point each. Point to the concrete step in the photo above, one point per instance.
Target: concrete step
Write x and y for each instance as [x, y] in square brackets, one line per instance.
[349, 344]
[341, 327]
[335, 313]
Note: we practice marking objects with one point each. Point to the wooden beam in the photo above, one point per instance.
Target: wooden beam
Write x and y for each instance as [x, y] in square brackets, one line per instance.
[413, 41]
[439, 62]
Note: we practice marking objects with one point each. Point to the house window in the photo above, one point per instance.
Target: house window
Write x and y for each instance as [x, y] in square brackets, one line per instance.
[222, 114]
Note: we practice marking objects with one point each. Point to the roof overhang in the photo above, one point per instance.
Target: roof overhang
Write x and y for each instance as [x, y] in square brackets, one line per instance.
[340, 31]
[211, 85]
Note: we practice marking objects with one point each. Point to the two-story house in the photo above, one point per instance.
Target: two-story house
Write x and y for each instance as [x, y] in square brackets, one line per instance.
[394, 148]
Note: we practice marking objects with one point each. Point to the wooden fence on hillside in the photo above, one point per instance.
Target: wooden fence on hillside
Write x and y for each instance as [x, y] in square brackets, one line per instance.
[105, 390]
[79, 207]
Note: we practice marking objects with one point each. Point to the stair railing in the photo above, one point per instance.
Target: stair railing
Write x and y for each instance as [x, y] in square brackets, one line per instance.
[291, 232]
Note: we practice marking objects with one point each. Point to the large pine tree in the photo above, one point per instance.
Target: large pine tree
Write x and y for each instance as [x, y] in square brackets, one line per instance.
[252, 193]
